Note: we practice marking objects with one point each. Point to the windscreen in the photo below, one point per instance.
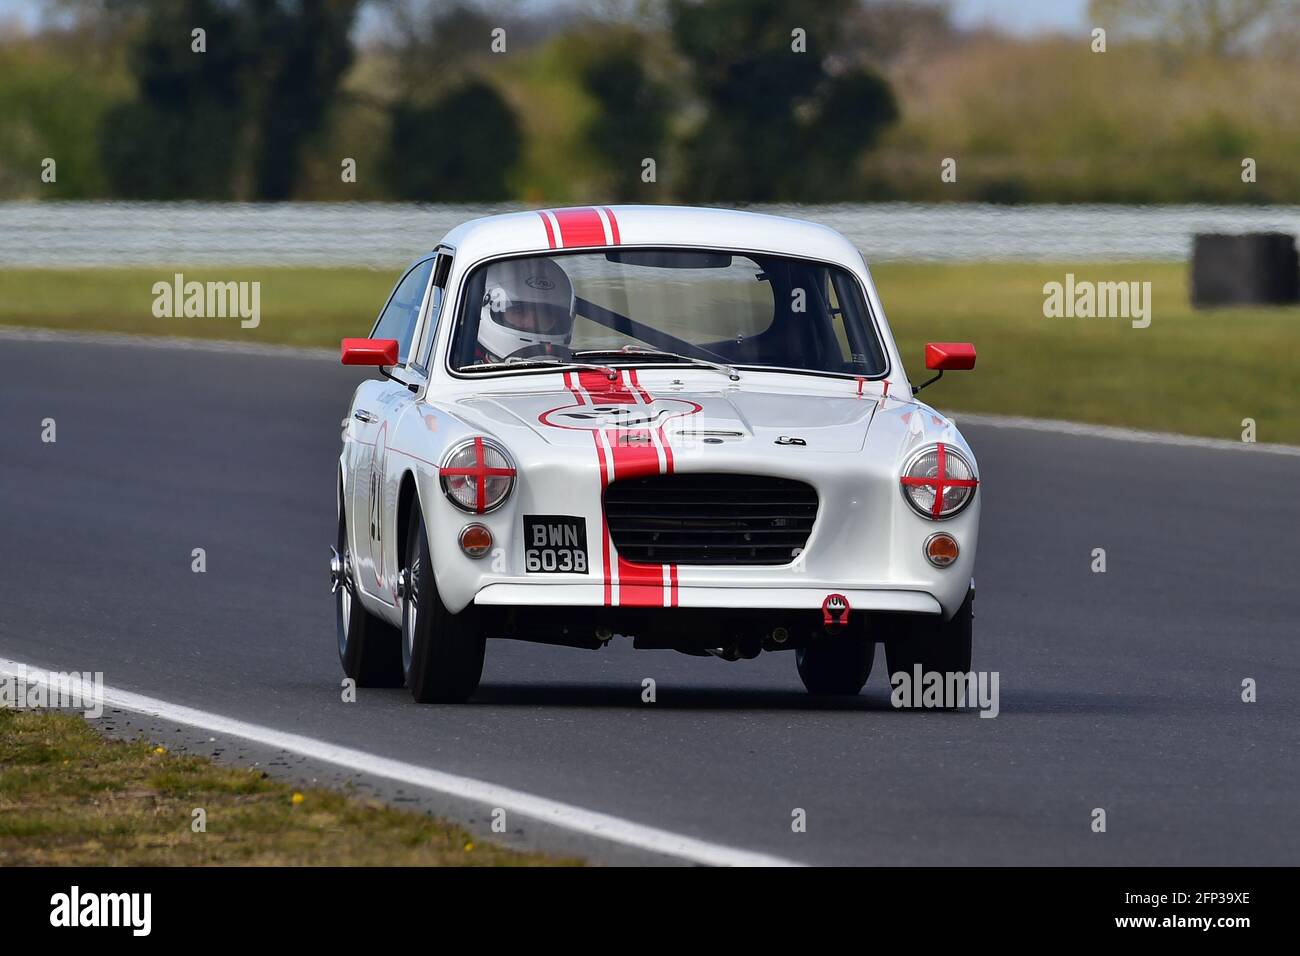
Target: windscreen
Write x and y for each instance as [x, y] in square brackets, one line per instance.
[742, 310]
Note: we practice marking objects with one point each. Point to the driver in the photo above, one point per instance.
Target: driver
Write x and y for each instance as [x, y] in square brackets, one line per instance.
[528, 308]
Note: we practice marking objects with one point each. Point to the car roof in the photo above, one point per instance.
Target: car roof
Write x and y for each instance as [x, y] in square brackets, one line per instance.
[543, 230]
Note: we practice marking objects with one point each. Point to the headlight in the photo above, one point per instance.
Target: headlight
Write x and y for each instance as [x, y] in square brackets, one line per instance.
[477, 475]
[938, 482]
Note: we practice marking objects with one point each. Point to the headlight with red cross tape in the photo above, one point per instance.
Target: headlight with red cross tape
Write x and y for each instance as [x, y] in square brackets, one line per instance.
[938, 482]
[477, 475]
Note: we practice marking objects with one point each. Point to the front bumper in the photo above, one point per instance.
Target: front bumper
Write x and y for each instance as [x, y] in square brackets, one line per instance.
[592, 595]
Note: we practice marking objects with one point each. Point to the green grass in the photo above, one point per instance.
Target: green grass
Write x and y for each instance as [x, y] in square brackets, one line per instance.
[1196, 372]
[298, 306]
[69, 797]
[1193, 372]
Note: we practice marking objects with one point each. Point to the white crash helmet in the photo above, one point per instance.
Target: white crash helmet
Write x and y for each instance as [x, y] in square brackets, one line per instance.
[526, 302]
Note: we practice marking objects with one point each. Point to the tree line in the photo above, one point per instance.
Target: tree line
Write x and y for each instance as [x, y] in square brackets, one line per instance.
[1149, 101]
[724, 100]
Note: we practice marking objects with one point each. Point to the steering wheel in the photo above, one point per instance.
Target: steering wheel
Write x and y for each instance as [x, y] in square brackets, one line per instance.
[540, 348]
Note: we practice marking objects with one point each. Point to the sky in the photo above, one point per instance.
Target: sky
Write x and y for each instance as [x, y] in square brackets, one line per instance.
[1024, 17]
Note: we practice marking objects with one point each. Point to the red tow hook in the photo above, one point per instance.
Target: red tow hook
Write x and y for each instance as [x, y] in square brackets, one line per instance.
[835, 613]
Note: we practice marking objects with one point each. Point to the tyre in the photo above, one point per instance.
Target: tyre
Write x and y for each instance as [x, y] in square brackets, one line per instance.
[369, 649]
[836, 663]
[442, 653]
[933, 643]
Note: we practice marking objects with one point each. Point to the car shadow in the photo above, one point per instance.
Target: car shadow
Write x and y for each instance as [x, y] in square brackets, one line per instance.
[669, 698]
[1064, 703]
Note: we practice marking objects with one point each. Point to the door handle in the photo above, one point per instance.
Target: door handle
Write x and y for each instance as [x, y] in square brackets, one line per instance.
[362, 415]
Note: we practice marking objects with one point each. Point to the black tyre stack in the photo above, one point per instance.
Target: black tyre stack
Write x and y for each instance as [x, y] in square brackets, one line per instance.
[1253, 269]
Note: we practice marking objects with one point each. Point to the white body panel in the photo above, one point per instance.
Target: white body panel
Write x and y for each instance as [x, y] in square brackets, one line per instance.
[866, 543]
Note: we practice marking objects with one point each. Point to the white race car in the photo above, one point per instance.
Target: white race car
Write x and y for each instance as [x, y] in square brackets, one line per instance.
[689, 428]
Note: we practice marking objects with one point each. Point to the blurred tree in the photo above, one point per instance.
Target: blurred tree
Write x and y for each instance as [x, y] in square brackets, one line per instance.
[299, 51]
[779, 124]
[421, 35]
[180, 138]
[630, 122]
[241, 110]
[452, 136]
[1219, 27]
[888, 28]
[436, 41]
[898, 35]
[51, 104]
[461, 147]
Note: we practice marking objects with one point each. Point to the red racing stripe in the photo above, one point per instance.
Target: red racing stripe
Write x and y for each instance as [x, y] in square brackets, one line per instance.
[613, 225]
[550, 233]
[601, 389]
[634, 453]
[636, 384]
[639, 585]
[663, 438]
[602, 392]
[627, 453]
[580, 227]
[604, 522]
[642, 585]
[575, 388]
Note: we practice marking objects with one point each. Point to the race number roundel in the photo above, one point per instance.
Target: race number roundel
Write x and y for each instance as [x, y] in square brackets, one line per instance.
[619, 415]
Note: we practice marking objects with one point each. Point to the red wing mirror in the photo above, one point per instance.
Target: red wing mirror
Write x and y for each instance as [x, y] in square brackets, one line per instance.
[946, 357]
[949, 356]
[370, 351]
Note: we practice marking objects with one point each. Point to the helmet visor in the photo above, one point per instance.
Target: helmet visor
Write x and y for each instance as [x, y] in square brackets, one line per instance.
[539, 318]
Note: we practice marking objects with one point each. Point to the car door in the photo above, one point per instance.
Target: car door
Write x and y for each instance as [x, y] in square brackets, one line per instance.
[378, 404]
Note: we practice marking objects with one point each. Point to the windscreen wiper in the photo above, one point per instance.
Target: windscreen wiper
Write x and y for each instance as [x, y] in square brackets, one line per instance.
[632, 350]
[539, 362]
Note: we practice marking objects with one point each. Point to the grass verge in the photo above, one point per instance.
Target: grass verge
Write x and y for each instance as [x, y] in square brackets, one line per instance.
[1195, 372]
[70, 797]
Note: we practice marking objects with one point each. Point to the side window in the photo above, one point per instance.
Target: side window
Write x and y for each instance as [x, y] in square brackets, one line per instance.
[837, 323]
[399, 317]
[859, 348]
[441, 270]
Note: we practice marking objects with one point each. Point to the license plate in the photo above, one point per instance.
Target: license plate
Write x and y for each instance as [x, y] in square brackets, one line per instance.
[555, 544]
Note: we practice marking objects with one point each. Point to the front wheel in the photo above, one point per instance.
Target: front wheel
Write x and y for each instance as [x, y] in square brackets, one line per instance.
[369, 649]
[934, 644]
[836, 663]
[442, 652]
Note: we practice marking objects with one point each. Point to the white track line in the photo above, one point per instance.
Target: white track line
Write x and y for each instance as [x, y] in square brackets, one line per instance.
[1113, 433]
[590, 823]
[20, 334]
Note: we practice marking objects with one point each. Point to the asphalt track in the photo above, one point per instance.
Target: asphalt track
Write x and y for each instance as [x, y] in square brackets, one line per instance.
[1119, 691]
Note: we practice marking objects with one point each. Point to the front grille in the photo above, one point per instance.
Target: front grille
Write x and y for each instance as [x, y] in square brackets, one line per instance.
[710, 519]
